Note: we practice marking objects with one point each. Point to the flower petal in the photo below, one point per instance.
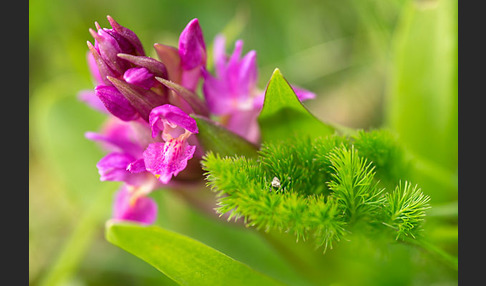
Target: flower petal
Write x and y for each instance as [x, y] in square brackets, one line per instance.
[171, 59]
[116, 103]
[247, 76]
[234, 86]
[103, 69]
[165, 160]
[219, 54]
[215, 93]
[303, 94]
[108, 48]
[142, 209]
[139, 76]
[113, 167]
[119, 136]
[91, 99]
[136, 166]
[93, 67]
[128, 34]
[171, 116]
[152, 65]
[192, 48]
[245, 124]
[143, 100]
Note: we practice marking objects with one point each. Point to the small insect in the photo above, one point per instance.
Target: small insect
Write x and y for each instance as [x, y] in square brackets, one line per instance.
[275, 182]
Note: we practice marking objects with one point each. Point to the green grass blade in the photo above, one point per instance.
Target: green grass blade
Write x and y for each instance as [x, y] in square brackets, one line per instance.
[184, 260]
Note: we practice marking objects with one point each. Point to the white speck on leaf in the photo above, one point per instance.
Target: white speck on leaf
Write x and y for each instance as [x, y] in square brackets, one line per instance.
[275, 182]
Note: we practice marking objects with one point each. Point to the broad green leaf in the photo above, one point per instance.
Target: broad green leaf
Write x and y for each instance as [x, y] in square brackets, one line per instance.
[216, 138]
[184, 260]
[284, 116]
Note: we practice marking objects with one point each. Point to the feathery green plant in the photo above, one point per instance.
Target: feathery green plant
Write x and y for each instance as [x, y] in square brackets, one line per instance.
[322, 188]
[388, 157]
[405, 209]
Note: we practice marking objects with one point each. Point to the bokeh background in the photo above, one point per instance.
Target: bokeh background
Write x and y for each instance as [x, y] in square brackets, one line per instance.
[373, 64]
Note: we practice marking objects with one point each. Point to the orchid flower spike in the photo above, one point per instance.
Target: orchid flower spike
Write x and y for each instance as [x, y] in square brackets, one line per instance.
[149, 141]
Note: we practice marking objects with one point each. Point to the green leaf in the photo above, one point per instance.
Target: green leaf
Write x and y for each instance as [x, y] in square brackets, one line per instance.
[283, 115]
[184, 260]
[216, 138]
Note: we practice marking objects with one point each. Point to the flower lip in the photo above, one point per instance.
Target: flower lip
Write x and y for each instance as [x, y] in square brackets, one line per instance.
[165, 160]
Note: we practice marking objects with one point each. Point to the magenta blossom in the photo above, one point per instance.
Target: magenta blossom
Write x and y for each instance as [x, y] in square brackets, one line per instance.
[125, 143]
[233, 93]
[131, 204]
[145, 156]
[167, 159]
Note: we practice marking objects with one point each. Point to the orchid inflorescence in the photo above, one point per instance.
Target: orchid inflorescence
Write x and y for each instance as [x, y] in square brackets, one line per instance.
[150, 133]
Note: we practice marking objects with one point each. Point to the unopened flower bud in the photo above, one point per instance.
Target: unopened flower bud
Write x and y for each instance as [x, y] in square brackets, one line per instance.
[116, 103]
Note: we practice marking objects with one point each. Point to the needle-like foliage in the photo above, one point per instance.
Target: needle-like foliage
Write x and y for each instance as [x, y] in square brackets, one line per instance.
[319, 188]
[382, 148]
[405, 209]
[353, 183]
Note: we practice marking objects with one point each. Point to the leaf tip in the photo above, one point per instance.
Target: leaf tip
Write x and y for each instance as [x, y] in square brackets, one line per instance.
[276, 73]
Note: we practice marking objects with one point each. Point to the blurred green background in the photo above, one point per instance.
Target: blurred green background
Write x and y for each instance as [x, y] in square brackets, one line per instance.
[373, 64]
